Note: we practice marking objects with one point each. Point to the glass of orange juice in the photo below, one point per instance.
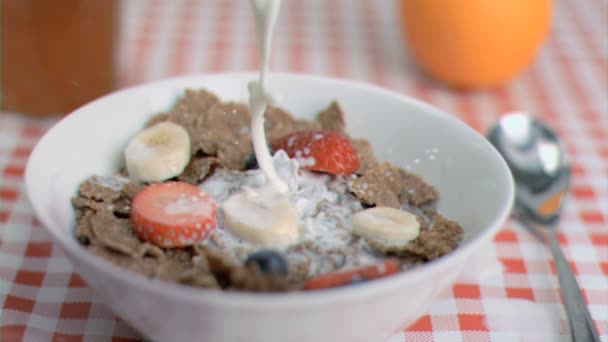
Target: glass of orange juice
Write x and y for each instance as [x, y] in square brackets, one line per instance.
[56, 55]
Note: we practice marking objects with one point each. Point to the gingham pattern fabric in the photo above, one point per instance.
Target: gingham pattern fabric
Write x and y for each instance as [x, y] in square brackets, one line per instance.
[512, 297]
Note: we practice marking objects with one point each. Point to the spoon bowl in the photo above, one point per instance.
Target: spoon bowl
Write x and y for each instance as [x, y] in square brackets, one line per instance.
[541, 171]
[539, 165]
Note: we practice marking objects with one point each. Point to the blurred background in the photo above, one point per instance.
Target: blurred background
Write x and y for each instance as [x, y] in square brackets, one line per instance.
[473, 58]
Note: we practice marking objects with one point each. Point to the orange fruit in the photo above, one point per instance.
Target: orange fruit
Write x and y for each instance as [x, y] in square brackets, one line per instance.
[474, 43]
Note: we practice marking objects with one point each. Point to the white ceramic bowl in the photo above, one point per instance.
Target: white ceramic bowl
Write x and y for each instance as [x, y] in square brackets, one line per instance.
[475, 185]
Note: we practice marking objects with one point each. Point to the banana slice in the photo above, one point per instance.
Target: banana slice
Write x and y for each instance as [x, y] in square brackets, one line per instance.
[389, 225]
[262, 216]
[158, 153]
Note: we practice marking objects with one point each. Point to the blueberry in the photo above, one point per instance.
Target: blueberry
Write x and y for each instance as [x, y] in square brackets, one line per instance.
[269, 262]
[251, 162]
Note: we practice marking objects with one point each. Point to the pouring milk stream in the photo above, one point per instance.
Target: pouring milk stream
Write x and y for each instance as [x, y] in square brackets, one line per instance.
[264, 215]
[265, 12]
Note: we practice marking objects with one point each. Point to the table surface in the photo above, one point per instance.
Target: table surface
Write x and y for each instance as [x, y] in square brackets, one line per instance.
[41, 298]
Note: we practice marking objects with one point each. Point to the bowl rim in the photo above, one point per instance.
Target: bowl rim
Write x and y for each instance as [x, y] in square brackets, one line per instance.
[275, 300]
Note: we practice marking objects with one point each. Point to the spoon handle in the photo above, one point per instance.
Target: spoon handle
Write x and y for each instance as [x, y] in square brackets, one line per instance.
[579, 318]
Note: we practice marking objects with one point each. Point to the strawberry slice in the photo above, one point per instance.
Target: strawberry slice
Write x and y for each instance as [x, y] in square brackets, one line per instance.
[173, 214]
[324, 151]
[336, 279]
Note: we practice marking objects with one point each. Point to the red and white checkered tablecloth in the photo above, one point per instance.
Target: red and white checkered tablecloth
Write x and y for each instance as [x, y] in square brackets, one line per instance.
[41, 299]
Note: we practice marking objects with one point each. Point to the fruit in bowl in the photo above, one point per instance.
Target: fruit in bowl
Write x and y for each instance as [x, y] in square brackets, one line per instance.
[473, 180]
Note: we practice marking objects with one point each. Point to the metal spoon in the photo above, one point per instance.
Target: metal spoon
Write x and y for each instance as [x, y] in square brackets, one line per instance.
[541, 171]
